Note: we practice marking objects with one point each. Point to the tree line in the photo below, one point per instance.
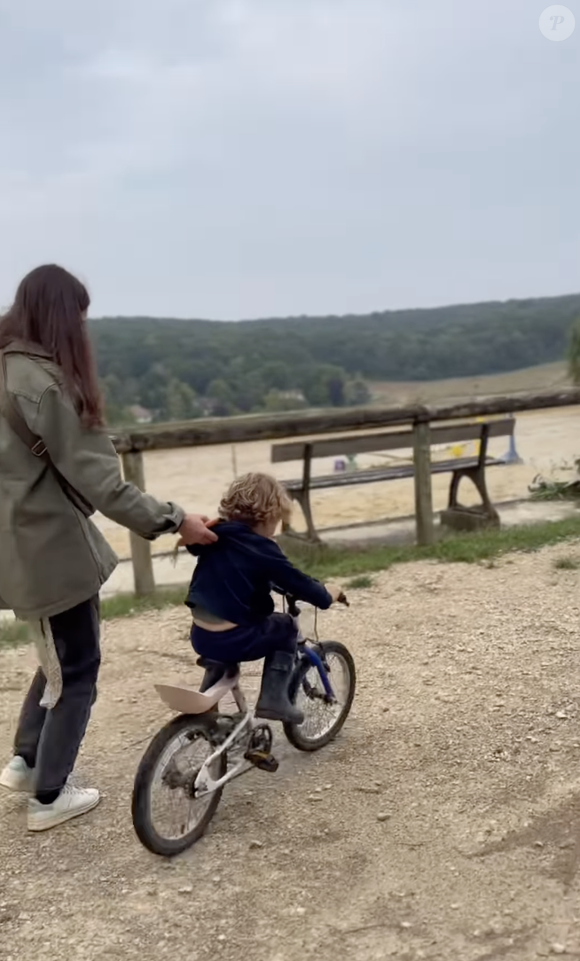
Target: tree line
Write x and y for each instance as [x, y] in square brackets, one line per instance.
[180, 369]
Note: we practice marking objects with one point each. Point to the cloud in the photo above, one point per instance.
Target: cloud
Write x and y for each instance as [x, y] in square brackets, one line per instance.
[242, 157]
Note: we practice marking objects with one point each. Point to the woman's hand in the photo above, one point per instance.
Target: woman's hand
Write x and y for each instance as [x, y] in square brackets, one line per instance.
[196, 529]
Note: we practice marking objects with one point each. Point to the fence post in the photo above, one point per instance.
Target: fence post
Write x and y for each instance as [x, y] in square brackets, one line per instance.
[423, 491]
[134, 473]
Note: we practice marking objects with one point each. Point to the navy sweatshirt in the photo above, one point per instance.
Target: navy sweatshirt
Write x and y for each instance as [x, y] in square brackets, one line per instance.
[235, 575]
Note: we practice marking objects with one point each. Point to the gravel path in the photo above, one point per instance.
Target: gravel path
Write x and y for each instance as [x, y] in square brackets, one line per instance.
[444, 823]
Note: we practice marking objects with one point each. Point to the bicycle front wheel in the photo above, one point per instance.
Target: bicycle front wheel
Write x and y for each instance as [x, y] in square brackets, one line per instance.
[167, 816]
[323, 719]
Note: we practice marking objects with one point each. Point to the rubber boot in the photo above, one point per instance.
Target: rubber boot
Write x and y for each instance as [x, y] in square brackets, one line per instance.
[274, 702]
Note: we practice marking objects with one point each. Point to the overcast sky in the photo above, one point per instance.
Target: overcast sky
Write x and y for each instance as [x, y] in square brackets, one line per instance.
[241, 158]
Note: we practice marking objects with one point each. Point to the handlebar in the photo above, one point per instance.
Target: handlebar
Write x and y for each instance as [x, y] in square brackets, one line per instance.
[294, 610]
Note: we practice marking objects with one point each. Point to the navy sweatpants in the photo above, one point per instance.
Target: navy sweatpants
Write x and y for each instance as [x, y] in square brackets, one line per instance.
[276, 633]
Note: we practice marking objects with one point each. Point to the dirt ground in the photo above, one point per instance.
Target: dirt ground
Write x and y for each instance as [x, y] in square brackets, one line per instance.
[444, 823]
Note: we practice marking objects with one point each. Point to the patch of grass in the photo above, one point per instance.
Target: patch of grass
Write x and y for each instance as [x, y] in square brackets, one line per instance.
[556, 491]
[13, 633]
[127, 605]
[360, 583]
[326, 562]
[358, 563]
[567, 563]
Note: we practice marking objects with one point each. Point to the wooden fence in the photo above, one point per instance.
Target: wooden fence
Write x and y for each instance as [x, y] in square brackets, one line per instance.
[236, 430]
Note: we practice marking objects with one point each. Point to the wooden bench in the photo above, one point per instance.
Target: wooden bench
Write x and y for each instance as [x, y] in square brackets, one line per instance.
[471, 467]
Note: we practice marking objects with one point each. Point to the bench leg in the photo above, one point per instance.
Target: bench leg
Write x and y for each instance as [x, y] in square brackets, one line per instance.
[287, 527]
[481, 485]
[454, 488]
[303, 498]
[477, 476]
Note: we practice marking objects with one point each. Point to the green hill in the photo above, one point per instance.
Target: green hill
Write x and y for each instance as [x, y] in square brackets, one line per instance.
[184, 368]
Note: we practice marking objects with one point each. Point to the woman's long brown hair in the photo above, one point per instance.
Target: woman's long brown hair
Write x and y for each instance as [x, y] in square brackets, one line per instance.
[49, 311]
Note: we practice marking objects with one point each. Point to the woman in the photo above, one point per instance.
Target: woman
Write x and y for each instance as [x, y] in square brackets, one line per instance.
[58, 466]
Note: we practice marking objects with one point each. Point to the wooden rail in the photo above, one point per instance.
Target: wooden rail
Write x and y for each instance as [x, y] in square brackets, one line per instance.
[133, 443]
[238, 430]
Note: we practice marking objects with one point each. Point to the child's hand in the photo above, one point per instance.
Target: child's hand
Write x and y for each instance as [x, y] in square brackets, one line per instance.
[195, 529]
[334, 591]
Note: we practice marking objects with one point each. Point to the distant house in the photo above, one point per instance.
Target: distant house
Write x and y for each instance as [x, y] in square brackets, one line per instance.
[140, 414]
[206, 405]
[291, 395]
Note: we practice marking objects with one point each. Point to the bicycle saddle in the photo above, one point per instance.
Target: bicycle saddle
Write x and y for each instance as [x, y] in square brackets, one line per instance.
[189, 700]
[229, 668]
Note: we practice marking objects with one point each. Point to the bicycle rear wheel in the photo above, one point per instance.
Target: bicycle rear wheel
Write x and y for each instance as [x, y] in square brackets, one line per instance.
[323, 719]
[167, 816]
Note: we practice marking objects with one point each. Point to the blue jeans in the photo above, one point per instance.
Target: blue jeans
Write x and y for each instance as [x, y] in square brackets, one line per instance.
[276, 633]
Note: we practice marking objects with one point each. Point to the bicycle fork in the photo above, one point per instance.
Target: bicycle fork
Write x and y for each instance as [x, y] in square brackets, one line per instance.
[315, 660]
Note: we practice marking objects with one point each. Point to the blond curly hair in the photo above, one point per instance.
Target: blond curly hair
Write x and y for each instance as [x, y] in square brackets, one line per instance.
[254, 499]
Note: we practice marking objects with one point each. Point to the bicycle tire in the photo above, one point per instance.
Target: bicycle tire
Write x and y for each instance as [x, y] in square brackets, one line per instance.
[293, 732]
[140, 808]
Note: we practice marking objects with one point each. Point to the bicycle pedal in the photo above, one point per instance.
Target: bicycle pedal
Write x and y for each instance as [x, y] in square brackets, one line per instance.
[263, 761]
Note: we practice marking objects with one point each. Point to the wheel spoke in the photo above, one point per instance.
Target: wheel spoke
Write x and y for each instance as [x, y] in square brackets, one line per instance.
[174, 811]
[320, 715]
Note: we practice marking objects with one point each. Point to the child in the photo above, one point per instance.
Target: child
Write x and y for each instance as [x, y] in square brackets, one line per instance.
[230, 592]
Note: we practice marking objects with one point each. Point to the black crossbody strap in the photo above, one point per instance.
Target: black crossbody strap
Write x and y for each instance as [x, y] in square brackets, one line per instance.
[35, 444]
[9, 410]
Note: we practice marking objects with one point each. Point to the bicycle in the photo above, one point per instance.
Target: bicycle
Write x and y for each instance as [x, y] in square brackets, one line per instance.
[231, 744]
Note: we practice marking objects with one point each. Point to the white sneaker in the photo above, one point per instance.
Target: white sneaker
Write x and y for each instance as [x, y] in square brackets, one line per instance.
[17, 776]
[71, 802]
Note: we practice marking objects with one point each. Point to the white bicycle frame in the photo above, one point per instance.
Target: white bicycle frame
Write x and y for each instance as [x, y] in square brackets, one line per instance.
[185, 699]
[205, 783]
